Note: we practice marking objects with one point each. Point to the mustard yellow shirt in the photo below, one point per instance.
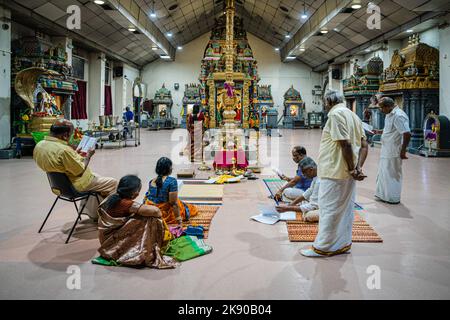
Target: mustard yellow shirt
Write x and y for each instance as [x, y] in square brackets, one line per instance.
[55, 155]
[342, 124]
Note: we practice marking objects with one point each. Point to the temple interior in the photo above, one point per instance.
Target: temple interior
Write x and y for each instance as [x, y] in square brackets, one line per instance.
[230, 91]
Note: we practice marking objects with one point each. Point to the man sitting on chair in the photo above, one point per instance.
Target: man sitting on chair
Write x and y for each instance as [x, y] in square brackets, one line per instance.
[296, 185]
[53, 154]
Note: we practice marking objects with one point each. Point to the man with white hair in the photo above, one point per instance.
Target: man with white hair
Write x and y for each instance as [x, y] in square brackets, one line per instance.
[394, 141]
[343, 151]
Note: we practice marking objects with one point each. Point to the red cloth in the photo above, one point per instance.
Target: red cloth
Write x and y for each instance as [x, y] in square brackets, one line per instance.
[108, 101]
[78, 110]
[223, 159]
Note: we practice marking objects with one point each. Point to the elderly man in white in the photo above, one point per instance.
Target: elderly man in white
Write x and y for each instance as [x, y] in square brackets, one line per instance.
[343, 151]
[394, 141]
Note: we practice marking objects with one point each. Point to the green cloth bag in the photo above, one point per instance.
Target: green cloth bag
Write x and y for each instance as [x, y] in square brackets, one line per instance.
[187, 247]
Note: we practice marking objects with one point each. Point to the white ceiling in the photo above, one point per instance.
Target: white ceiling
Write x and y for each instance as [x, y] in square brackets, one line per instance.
[270, 20]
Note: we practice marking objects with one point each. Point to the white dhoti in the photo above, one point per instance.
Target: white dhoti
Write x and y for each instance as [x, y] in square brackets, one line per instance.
[290, 194]
[389, 180]
[336, 199]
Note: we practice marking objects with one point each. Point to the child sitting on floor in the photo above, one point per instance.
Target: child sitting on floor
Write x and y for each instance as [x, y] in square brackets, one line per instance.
[307, 203]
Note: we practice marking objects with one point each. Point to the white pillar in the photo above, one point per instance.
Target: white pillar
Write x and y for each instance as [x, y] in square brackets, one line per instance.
[5, 78]
[118, 93]
[96, 84]
[444, 72]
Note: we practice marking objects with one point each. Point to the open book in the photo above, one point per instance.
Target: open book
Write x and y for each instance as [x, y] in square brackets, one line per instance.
[269, 215]
[87, 143]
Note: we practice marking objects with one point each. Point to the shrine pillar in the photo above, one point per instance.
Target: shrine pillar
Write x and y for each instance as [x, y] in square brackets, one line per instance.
[5, 79]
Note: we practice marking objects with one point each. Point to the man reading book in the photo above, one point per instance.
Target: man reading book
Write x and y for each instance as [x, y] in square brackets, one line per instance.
[53, 154]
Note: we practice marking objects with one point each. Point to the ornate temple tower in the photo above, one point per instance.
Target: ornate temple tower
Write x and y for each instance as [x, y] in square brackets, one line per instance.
[229, 75]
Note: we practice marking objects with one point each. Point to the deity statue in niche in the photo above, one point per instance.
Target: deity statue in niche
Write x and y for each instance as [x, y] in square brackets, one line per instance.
[210, 51]
[247, 51]
[238, 112]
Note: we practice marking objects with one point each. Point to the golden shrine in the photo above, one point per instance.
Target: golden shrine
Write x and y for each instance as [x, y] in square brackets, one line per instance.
[414, 67]
[412, 80]
[229, 74]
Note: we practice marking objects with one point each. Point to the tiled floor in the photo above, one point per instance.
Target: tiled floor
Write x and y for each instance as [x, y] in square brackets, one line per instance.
[249, 260]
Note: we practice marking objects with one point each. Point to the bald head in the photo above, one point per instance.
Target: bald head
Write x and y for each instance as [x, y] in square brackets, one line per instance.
[61, 129]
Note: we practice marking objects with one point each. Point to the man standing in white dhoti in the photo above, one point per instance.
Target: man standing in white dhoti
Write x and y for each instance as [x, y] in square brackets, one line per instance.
[394, 141]
[343, 151]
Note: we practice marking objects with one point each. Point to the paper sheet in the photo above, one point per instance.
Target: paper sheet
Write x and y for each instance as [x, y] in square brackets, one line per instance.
[277, 171]
[367, 127]
[211, 181]
[265, 219]
[288, 215]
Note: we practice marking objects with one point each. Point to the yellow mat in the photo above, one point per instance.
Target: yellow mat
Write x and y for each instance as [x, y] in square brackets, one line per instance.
[201, 192]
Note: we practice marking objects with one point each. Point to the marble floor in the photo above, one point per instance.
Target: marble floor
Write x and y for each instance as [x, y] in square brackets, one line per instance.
[249, 260]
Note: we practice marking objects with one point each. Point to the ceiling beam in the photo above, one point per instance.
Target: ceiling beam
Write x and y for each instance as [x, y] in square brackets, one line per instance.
[323, 15]
[29, 18]
[384, 37]
[139, 18]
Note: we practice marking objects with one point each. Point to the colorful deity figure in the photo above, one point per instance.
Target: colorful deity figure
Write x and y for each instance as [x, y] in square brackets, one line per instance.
[238, 112]
[209, 51]
[247, 51]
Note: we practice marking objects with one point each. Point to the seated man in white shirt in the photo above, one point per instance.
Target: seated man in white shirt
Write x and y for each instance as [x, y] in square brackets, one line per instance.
[308, 203]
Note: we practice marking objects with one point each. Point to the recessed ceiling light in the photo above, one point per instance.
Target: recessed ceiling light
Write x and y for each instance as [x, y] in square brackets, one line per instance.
[164, 57]
[410, 30]
[356, 4]
[336, 29]
[180, 48]
[287, 36]
[154, 48]
[290, 58]
[131, 29]
[324, 31]
[152, 14]
[99, 2]
[302, 49]
[277, 49]
[169, 34]
[304, 16]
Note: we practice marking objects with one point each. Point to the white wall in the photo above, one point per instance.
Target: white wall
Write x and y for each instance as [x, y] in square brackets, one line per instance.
[444, 72]
[186, 69]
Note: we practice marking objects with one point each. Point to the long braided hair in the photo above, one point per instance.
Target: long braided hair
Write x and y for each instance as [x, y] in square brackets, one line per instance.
[127, 187]
[163, 168]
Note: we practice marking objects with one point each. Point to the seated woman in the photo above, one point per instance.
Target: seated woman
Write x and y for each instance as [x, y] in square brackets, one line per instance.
[163, 193]
[130, 233]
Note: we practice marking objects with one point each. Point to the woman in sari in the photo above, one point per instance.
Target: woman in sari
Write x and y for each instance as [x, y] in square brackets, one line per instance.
[131, 233]
[163, 193]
